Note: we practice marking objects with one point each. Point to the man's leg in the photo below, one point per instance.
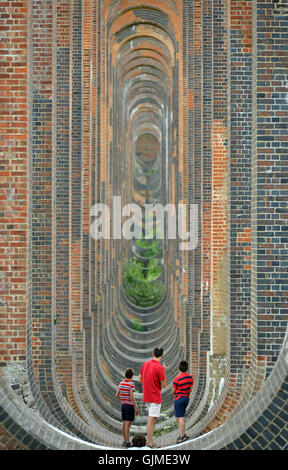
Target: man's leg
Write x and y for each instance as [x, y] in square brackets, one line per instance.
[150, 429]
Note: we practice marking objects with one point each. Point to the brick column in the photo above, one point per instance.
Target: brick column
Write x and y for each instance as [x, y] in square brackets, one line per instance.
[41, 183]
[13, 180]
[61, 191]
[269, 180]
[240, 124]
[219, 243]
[75, 190]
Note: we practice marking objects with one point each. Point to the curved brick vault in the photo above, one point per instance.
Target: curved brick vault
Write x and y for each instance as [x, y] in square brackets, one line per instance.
[170, 101]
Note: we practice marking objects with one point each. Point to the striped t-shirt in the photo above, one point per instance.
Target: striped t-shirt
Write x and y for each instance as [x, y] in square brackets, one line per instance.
[125, 387]
[182, 384]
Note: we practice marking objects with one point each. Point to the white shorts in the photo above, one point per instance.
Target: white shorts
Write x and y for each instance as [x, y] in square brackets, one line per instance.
[154, 409]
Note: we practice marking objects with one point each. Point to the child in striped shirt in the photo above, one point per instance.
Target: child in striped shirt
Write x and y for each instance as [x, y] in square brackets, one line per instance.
[129, 408]
[181, 388]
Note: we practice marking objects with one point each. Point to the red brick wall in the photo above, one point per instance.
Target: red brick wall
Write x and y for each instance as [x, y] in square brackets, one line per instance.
[13, 179]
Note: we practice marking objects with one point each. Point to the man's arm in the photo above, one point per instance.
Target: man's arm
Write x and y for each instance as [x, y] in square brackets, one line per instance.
[141, 374]
[164, 381]
[117, 394]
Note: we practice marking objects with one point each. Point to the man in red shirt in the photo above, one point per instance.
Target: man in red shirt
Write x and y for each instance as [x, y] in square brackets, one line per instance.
[153, 378]
[182, 385]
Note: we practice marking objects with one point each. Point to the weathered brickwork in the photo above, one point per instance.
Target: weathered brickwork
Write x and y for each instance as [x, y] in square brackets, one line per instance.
[232, 194]
[270, 144]
[82, 83]
[60, 319]
[13, 177]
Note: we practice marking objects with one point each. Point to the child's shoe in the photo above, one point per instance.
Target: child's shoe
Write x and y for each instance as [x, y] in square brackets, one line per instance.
[127, 444]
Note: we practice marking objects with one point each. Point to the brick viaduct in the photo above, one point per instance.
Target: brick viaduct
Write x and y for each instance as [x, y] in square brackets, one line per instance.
[173, 101]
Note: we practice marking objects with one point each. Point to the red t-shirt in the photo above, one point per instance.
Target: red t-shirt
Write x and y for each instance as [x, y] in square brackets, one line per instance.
[152, 373]
[182, 384]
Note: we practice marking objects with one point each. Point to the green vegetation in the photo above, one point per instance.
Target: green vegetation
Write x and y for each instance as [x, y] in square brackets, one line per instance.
[151, 248]
[168, 428]
[141, 275]
[144, 294]
[138, 279]
[137, 271]
[136, 325]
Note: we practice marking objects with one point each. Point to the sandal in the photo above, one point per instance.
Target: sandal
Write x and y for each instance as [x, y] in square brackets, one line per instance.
[182, 439]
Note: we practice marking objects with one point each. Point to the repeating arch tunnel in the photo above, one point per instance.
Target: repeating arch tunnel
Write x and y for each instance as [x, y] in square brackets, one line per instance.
[154, 103]
[143, 57]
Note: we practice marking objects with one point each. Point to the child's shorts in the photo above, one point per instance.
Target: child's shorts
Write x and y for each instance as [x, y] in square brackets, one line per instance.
[128, 412]
[180, 406]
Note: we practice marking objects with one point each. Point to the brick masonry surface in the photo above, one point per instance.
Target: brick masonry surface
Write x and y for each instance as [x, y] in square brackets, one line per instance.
[80, 82]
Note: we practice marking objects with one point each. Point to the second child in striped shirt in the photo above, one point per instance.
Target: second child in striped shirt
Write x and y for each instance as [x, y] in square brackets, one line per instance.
[181, 388]
[129, 408]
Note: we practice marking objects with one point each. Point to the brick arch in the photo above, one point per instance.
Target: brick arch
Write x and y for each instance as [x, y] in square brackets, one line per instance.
[159, 35]
[224, 152]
